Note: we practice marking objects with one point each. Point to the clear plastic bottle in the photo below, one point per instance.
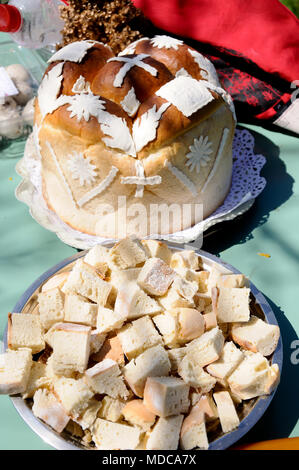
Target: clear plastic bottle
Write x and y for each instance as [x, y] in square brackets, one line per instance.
[34, 24]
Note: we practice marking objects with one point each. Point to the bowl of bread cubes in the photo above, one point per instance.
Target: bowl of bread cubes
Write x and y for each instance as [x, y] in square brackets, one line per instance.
[141, 345]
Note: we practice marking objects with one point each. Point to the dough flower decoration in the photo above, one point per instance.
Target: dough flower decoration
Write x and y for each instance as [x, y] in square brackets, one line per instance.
[84, 105]
[199, 154]
[82, 169]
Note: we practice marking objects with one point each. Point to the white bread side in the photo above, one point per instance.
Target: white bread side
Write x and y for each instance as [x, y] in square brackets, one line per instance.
[138, 415]
[25, 331]
[15, 369]
[133, 302]
[178, 326]
[256, 335]
[96, 341]
[111, 349]
[195, 376]
[229, 419]
[172, 299]
[175, 356]
[49, 335]
[229, 359]
[167, 325]
[207, 405]
[118, 278]
[157, 249]
[74, 395]
[89, 415]
[37, 379]
[51, 307]
[71, 348]
[193, 431]
[55, 281]
[185, 259]
[233, 305]
[86, 281]
[207, 348]
[97, 256]
[78, 310]
[138, 336]
[152, 362]
[156, 276]
[186, 289]
[111, 409]
[47, 408]
[232, 280]
[214, 276]
[210, 320]
[166, 396]
[105, 378]
[109, 320]
[166, 434]
[127, 253]
[115, 436]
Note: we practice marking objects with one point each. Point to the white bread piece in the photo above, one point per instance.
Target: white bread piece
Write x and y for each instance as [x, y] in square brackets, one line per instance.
[25, 331]
[273, 379]
[71, 348]
[96, 341]
[105, 378]
[207, 405]
[185, 259]
[111, 349]
[78, 310]
[210, 320]
[157, 249]
[214, 276]
[166, 396]
[37, 379]
[15, 369]
[167, 324]
[47, 408]
[133, 302]
[185, 289]
[232, 280]
[51, 307]
[203, 277]
[256, 335]
[229, 419]
[193, 431]
[86, 281]
[127, 253]
[152, 362]
[175, 356]
[138, 336]
[166, 434]
[136, 413]
[109, 320]
[229, 359]
[90, 414]
[179, 326]
[252, 376]
[207, 348]
[118, 278]
[233, 305]
[156, 276]
[115, 436]
[56, 281]
[49, 335]
[195, 396]
[195, 376]
[74, 395]
[97, 256]
[172, 299]
[111, 409]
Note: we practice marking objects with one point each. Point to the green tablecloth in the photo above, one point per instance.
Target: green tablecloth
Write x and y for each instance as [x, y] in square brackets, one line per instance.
[271, 226]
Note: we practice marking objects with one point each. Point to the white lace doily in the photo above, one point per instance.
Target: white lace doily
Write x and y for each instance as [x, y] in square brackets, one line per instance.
[246, 185]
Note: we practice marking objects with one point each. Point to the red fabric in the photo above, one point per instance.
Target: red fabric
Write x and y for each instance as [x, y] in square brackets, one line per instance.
[264, 31]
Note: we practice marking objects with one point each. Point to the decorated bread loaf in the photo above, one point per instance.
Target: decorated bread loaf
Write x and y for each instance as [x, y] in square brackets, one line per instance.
[151, 126]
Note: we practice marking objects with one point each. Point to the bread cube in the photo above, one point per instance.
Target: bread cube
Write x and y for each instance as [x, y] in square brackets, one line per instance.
[74, 395]
[229, 359]
[193, 431]
[157, 249]
[109, 320]
[152, 362]
[138, 336]
[210, 320]
[185, 259]
[202, 281]
[115, 436]
[105, 378]
[78, 310]
[166, 434]
[111, 409]
[207, 348]
[207, 405]
[119, 278]
[229, 419]
[25, 331]
[138, 415]
[86, 281]
[47, 408]
[156, 276]
[214, 277]
[185, 289]
[51, 307]
[111, 349]
[167, 324]
[90, 414]
[15, 369]
[172, 299]
[179, 326]
[232, 280]
[37, 379]
[49, 335]
[96, 341]
[127, 253]
[273, 379]
[71, 348]
[133, 302]
[194, 375]
[233, 305]
[256, 335]
[175, 356]
[166, 396]
[56, 281]
[97, 256]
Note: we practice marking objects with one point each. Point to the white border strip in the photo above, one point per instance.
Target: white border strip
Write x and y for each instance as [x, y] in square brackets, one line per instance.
[218, 157]
[100, 188]
[182, 178]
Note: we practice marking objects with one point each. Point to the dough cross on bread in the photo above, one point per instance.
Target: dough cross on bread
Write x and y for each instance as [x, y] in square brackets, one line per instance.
[140, 179]
[129, 63]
